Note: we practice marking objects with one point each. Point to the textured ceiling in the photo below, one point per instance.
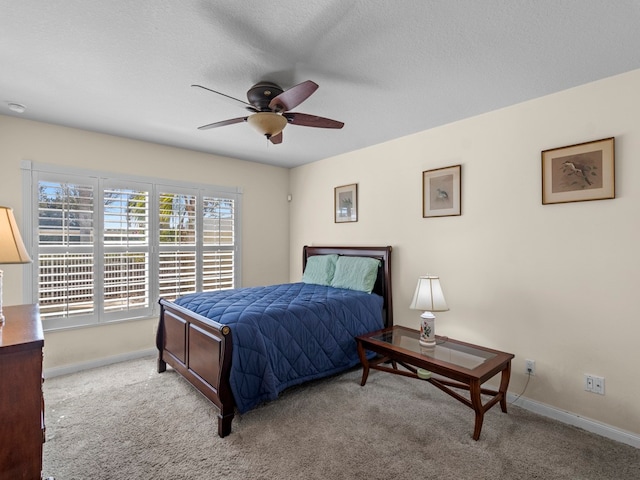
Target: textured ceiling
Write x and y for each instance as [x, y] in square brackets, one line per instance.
[385, 68]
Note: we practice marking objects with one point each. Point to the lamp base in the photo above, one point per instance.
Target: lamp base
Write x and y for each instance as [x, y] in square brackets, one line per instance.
[427, 343]
[427, 330]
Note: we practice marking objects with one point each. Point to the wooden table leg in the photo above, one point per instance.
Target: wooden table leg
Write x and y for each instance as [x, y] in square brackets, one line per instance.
[365, 363]
[504, 383]
[476, 402]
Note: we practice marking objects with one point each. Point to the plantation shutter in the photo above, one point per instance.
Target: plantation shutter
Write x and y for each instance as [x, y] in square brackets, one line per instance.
[126, 251]
[66, 256]
[218, 243]
[177, 244]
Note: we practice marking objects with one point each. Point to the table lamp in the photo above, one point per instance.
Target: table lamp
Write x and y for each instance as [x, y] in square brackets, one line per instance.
[428, 298]
[12, 250]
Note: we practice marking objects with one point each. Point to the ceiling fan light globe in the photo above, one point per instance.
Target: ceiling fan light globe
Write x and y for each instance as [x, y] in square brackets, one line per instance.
[267, 123]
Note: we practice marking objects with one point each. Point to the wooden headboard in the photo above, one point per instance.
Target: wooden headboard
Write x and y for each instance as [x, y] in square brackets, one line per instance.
[383, 283]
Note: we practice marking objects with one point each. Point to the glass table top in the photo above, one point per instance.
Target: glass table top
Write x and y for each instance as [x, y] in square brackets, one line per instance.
[465, 356]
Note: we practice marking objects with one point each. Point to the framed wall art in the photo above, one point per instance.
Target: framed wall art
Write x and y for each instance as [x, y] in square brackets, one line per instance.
[577, 173]
[346, 203]
[441, 192]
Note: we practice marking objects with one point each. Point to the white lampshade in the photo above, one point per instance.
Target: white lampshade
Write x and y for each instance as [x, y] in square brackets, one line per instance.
[428, 295]
[267, 123]
[12, 250]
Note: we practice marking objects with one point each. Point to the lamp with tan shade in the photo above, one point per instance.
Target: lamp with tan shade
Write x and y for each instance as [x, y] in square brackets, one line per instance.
[12, 249]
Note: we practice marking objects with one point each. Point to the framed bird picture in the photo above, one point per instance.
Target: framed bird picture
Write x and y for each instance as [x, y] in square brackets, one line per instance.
[577, 173]
[345, 204]
[441, 192]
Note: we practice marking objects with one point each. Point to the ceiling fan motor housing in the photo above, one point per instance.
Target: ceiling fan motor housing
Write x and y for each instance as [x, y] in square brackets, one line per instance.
[262, 93]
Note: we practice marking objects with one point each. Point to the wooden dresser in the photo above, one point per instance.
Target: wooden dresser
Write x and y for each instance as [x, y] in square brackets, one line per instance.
[21, 401]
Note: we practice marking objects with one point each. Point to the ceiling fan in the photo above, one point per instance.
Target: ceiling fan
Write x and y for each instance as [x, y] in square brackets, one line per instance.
[271, 107]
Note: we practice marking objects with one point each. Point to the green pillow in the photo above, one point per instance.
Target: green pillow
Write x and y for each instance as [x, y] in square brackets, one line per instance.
[320, 269]
[356, 273]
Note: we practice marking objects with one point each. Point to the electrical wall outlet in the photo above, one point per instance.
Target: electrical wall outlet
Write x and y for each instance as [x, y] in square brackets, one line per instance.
[598, 385]
[594, 384]
[588, 383]
[530, 367]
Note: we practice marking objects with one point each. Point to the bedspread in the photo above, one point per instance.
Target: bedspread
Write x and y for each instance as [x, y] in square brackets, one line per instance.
[284, 335]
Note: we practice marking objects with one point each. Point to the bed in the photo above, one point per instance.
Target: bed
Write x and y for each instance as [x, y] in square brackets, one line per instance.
[224, 342]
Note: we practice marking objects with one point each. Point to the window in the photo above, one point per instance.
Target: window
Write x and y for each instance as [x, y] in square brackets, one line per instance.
[108, 248]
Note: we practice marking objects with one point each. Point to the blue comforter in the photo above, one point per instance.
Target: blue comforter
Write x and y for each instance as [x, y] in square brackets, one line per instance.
[284, 335]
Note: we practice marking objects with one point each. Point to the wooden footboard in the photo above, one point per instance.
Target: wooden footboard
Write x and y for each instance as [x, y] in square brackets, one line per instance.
[200, 350]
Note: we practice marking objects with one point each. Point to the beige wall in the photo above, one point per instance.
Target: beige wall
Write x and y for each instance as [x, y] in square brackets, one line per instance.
[554, 283]
[265, 215]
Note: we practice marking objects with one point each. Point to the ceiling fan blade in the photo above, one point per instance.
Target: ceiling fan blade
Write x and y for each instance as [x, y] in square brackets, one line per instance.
[223, 123]
[293, 97]
[276, 139]
[246, 105]
[306, 120]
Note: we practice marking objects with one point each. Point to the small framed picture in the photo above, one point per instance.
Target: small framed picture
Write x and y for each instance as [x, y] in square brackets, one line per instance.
[441, 192]
[346, 203]
[577, 173]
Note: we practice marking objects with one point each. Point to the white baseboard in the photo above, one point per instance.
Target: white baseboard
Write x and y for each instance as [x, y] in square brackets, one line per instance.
[77, 367]
[569, 418]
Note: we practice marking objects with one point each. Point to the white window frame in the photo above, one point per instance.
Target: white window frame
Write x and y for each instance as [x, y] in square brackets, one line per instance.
[33, 172]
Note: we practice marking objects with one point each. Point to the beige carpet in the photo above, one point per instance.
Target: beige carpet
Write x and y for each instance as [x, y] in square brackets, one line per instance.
[126, 421]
